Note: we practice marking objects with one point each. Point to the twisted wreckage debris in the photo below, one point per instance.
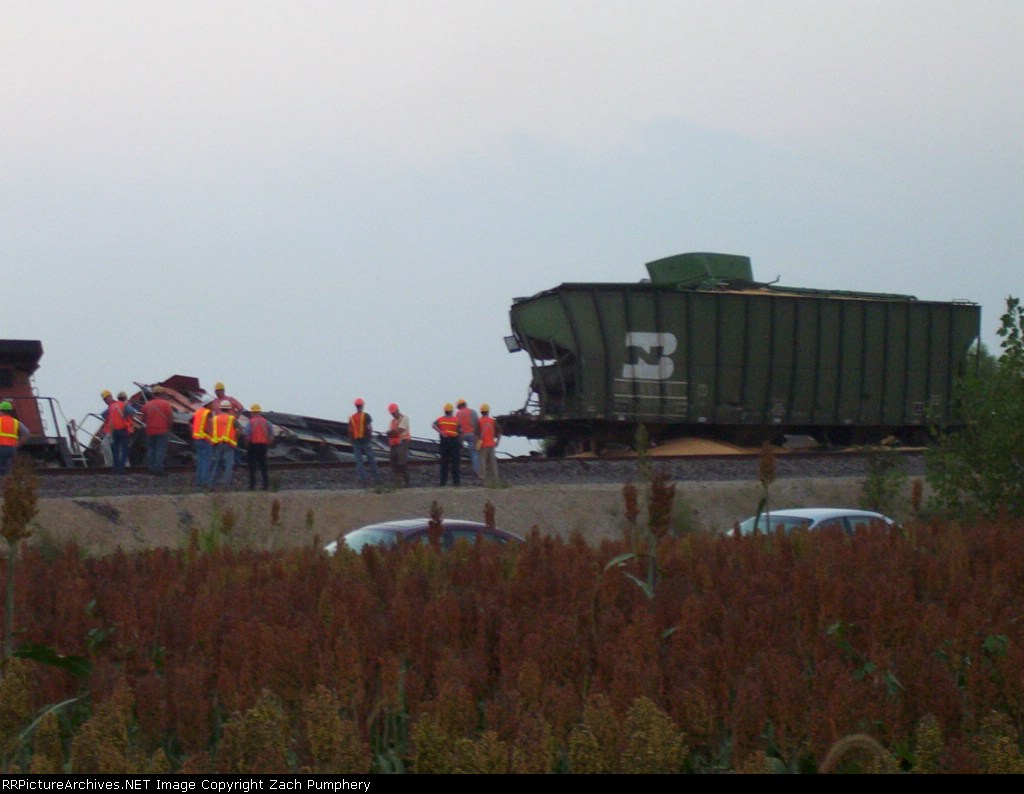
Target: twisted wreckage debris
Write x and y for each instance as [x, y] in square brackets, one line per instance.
[55, 441]
[300, 439]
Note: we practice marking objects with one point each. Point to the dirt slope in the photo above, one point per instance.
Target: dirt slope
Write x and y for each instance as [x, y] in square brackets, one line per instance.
[100, 525]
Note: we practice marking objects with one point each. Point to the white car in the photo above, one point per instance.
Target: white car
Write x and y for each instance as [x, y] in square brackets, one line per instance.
[846, 519]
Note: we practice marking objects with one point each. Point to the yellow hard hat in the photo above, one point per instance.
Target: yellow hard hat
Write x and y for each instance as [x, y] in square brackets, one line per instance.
[218, 387]
[255, 408]
[448, 407]
[105, 393]
[485, 408]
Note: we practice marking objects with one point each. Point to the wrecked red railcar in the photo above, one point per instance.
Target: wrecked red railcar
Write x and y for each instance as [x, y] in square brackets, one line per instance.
[19, 360]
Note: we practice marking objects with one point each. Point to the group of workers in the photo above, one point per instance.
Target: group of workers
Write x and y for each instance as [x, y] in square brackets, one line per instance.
[220, 425]
[217, 430]
[456, 430]
[460, 426]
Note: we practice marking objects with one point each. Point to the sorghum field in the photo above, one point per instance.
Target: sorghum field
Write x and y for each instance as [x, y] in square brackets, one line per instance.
[703, 654]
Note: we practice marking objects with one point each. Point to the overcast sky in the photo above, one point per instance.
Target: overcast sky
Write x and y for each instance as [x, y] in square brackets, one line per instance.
[314, 201]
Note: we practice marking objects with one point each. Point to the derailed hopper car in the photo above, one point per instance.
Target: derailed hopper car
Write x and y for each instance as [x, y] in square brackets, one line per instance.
[702, 349]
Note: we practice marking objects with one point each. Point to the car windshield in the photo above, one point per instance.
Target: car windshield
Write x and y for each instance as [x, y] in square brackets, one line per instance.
[359, 538]
[471, 536]
[770, 524]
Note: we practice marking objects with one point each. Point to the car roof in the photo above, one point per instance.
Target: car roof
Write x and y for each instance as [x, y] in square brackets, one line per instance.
[413, 524]
[407, 527]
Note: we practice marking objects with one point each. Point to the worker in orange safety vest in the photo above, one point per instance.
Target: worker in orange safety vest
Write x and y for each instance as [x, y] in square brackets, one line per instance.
[447, 427]
[118, 424]
[225, 442]
[12, 435]
[468, 420]
[360, 433]
[202, 443]
[490, 434]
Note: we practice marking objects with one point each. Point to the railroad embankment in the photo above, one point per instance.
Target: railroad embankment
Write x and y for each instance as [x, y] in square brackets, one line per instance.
[103, 524]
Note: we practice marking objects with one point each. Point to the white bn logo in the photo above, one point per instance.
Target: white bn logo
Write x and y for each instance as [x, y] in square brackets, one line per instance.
[648, 343]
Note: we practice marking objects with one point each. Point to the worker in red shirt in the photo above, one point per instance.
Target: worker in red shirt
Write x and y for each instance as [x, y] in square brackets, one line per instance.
[158, 417]
[235, 407]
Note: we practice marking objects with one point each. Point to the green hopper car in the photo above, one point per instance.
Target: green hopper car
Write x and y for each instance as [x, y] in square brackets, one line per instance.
[701, 349]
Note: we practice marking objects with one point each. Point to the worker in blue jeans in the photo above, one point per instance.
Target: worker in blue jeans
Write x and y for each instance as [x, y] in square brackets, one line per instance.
[360, 433]
[225, 442]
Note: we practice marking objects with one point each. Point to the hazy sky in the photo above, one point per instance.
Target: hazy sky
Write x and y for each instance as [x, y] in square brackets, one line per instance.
[314, 201]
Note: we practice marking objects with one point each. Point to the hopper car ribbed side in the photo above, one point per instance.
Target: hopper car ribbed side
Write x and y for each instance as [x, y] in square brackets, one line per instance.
[702, 349]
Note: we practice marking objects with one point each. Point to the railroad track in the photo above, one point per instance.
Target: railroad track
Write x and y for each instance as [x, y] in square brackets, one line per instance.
[75, 483]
